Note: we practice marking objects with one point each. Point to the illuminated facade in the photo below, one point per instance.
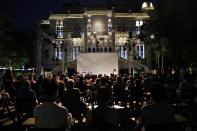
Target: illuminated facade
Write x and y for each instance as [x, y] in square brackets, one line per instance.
[63, 36]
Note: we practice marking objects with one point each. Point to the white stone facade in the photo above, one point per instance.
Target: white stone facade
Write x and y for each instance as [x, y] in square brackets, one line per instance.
[63, 36]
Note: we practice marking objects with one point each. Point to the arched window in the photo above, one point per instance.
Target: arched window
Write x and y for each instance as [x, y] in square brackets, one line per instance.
[140, 50]
[59, 29]
[138, 25]
[122, 51]
[76, 50]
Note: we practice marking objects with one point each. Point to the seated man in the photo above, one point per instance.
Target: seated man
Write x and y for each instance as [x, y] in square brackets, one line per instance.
[4, 99]
[186, 89]
[104, 117]
[50, 115]
[26, 99]
[71, 100]
[159, 112]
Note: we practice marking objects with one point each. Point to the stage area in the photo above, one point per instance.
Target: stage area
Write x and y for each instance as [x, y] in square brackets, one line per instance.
[97, 63]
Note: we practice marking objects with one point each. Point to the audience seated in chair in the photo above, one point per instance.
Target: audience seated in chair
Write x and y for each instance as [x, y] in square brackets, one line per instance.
[186, 91]
[104, 117]
[5, 102]
[71, 100]
[50, 115]
[25, 99]
[158, 113]
[8, 81]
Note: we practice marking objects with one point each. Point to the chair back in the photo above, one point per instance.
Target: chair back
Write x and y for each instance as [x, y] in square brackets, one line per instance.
[25, 105]
[47, 129]
[163, 127]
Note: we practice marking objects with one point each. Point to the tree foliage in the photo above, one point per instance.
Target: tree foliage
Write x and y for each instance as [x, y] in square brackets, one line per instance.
[15, 49]
[177, 23]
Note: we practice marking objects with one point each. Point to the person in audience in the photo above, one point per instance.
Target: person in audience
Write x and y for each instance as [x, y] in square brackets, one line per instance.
[8, 84]
[26, 99]
[159, 112]
[186, 88]
[195, 87]
[104, 117]
[1, 80]
[80, 84]
[118, 87]
[32, 81]
[4, 98]
[40, 91]
[50, 115]
[61, 89]
[71, 100]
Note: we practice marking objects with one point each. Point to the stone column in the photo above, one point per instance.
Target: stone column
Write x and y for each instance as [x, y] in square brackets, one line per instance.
[63, 61]
[39, 55]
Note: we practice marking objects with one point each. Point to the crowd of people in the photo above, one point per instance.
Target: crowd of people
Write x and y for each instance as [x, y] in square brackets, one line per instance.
[57, 101]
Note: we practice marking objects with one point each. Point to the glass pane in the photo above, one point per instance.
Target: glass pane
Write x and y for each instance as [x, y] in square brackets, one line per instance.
[93, 50]
[46, 52]
[105, 49]
[120, 48]
[124, 54]
[138, 53]
[89, 49]
[138, 48]
[142, 54]
[61, 56]
[142, 48]
[110, 49]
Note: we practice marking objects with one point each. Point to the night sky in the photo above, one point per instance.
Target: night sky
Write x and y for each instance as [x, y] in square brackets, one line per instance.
[26, 13]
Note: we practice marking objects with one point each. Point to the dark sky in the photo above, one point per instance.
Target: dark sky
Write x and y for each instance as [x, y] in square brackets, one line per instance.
[26, 13]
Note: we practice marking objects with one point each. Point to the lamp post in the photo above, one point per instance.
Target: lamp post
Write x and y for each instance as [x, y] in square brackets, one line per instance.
[149, 61]
[163, 49]
[127, 45]
[63, 63]
[130, 54]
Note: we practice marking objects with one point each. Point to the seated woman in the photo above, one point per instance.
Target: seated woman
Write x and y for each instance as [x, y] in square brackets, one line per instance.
[104, 117]
[49, 114]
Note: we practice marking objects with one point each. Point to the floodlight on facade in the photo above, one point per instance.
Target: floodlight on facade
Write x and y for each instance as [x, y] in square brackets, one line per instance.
[144, 5]
[152, 36]
[98, 26]
[147, 5]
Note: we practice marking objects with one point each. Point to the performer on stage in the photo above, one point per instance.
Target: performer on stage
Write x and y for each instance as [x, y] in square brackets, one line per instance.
[114, 71]
[87, 71]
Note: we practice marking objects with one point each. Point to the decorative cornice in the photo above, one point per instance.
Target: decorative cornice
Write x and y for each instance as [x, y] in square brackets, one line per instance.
[99, 12]
[65, 16]
[132, 15]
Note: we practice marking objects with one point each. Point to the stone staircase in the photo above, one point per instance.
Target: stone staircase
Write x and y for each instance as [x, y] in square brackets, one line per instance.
[143, 68]
[56, 69]
[138, 67]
